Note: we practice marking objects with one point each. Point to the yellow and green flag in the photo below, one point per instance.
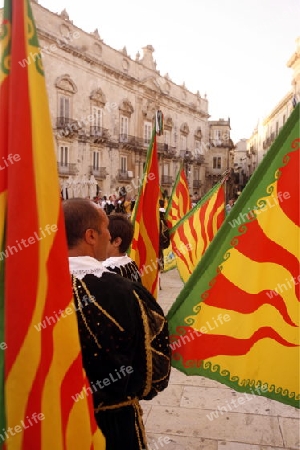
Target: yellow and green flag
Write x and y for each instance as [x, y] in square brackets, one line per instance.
[237, 318]
[178, 206]
[191, 236]
[180, 201]
[40, 356]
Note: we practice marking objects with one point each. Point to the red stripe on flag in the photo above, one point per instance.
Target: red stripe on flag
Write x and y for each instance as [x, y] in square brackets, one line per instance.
[20, 290]
[209, 345]
[267, 250]
[240, 301]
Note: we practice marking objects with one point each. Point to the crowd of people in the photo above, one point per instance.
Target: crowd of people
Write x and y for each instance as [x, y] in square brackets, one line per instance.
[122, 330]
[121, 203]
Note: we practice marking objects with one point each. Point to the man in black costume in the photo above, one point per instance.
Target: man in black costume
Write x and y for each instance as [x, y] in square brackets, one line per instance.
[123, 332]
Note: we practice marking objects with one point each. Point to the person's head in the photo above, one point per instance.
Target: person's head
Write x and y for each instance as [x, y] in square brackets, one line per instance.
[86, 228]
[121, 234]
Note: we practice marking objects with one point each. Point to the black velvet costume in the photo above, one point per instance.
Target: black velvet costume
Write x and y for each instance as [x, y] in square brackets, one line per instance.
[129, 270]
[121, 326]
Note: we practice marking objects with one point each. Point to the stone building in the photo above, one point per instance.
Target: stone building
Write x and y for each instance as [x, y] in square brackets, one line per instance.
[220, 153]
[242, 167]
[102, 104]
[267, 130]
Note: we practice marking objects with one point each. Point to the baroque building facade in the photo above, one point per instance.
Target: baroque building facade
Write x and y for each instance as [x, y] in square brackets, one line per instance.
[102, 104]
[267, 130]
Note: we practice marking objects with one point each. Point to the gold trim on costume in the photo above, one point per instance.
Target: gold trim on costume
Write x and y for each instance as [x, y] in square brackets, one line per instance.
[148, 348]
[97, 304]
[138, 422]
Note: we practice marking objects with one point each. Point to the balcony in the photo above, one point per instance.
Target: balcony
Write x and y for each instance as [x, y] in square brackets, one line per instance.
[166, 180]
[66, 169]
[186, 155]
[98, 172]
[199, 159]
[98, 134]
[124, 175]
[67, 126]
[127, 140]
[197, 184]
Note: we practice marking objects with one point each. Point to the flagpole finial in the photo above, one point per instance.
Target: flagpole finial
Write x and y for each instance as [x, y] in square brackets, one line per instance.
[159, 122]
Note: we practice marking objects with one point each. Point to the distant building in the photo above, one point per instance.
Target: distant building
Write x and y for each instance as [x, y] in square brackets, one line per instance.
[102, 104]
[267, 130]
[242, 167]
[220, 157]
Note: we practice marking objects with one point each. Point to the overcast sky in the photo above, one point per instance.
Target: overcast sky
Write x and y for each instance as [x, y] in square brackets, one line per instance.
[235, 51]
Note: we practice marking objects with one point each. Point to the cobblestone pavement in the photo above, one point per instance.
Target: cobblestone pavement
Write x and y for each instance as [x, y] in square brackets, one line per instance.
[180, 417]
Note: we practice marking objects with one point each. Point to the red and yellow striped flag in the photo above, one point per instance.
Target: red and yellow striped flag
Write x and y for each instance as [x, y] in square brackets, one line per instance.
[192, 235]
[145, 244]
[40, 356]
[237, 318]
[180, 201]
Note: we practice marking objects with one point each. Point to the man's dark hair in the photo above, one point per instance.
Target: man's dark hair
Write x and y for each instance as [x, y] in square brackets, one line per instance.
[120, 226]
[80, 214]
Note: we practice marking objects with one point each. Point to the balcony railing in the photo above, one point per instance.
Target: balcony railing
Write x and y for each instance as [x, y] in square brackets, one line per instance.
[197, 183]
[66, 169]
[98, 132]
[124, 175]
[127, 139]
[166, 180]
[200, 159]
[98, 172]
[67, 122]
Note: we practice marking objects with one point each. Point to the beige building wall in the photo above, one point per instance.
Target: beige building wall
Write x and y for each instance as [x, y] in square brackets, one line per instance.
[268, 129]
[102, 104]
[220, 154]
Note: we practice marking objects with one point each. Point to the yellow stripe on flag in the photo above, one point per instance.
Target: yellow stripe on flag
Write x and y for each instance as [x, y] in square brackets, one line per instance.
[264, 277]
[267, 350]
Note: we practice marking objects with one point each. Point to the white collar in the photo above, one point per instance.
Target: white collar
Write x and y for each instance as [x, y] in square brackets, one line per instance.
[117, 261]
[86, 265]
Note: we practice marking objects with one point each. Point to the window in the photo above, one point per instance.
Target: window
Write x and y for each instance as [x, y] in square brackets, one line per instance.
[64, 156]
[124, 128]
[123, 164]
[167, 137]
[277, 129]
[97, 118]
[96, 159]
[217, 162]
[64, 109]
[217, 134]
[166, 169]
[183, 142]
[147, 132]
[283, 120]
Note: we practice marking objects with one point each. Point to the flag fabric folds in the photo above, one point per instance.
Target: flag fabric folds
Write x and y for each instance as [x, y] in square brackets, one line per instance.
[178, 206]
[145, 243]
[237, 318]
[180, 201]
[40, 357]
[191, 236]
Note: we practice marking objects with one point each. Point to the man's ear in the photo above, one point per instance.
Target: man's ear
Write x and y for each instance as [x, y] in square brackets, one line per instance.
[117, 242]
[90, 236]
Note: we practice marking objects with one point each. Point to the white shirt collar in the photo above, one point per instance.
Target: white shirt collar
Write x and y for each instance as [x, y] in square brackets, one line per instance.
[117, 261]
[86, 265]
